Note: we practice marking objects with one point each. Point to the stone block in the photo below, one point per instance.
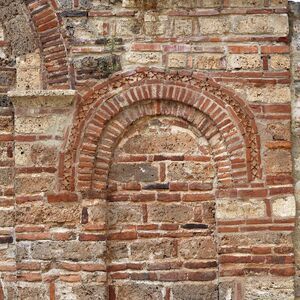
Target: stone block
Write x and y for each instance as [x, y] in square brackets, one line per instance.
[190, 171]
[144, 58]
[278, 161]
[33, 290]
[280, 62]
[207, 61]
[255, 239]
[128, 27]
[6, 176]
[214, 25]
[244, 62]
[43, 124]
[284, 207]
[246, 3]
[42, 213]
[34, 183]
[197, 248]
[183, 27]
[174, 213]
[137, 291]
[177, 60]
[275, 288]
[142, 172]
[7, 217]
[196, 291]
[39, 154]
[240, 209]
[155, 24]
[119, 213]
[67, 291]
[66, 250]
[152, 249]
[117, 250]
[6, 124]
[261, 24]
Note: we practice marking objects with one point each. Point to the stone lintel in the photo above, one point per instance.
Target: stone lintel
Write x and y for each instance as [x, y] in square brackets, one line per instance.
[42, 98]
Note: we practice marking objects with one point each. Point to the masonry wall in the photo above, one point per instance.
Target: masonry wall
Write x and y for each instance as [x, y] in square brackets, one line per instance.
[146, 149]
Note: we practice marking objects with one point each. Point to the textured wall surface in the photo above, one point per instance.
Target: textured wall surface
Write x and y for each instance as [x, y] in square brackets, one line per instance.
[149, 149]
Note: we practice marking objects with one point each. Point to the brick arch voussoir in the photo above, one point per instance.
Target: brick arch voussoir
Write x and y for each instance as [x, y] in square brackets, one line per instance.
[107, 144]
[53, 45]
[181, 86]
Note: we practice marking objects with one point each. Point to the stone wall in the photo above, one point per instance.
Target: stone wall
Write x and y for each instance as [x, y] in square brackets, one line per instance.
[146, 149]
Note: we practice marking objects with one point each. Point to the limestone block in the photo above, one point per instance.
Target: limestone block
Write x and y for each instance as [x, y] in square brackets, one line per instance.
[65, 250]
[280, 62]
[137, 291]
[155, 249]
[7, 217]
[275, 288]
[183, 27]
[144, 58]
[266, 94]
[240, 209]
[127, 27]
[173, 213]
[214, 25]
[209, 61]
[70, 291]
[246, 3]
[207, 291]
[197, 248]
[190, 171]
[134, 172]
[244, 61]
[42, 213]
[155, 24]
[37, 154]
[119, 213]
[6, 176]
[261, 24]
[255, 239]
[117, 250]
[34, 183]
[29, 72]
[40, 124]
[284, 207]
[177, 60]
[6, 124]
[278, 161]
[33, 290]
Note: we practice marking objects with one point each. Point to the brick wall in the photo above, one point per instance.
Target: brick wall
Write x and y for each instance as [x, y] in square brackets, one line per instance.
[148, 151]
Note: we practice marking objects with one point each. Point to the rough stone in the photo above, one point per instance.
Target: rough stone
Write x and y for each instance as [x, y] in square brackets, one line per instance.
[156, 249]
[48, 214]
[34, 183]
[244, 62]
[209, 61]
[190, 171]
[194, 291]
[197, 248]
[170, 213]
[133, 172]
[284, 207]
[269, 288]
[137, 291]
[240, 209]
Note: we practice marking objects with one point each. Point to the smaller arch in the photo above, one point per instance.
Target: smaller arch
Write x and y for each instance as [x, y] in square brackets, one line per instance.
[230, 114]
[117, 126]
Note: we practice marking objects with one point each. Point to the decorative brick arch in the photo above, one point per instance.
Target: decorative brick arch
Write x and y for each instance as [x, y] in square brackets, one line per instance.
[119, 125]
[53, 45]
[228, 112]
